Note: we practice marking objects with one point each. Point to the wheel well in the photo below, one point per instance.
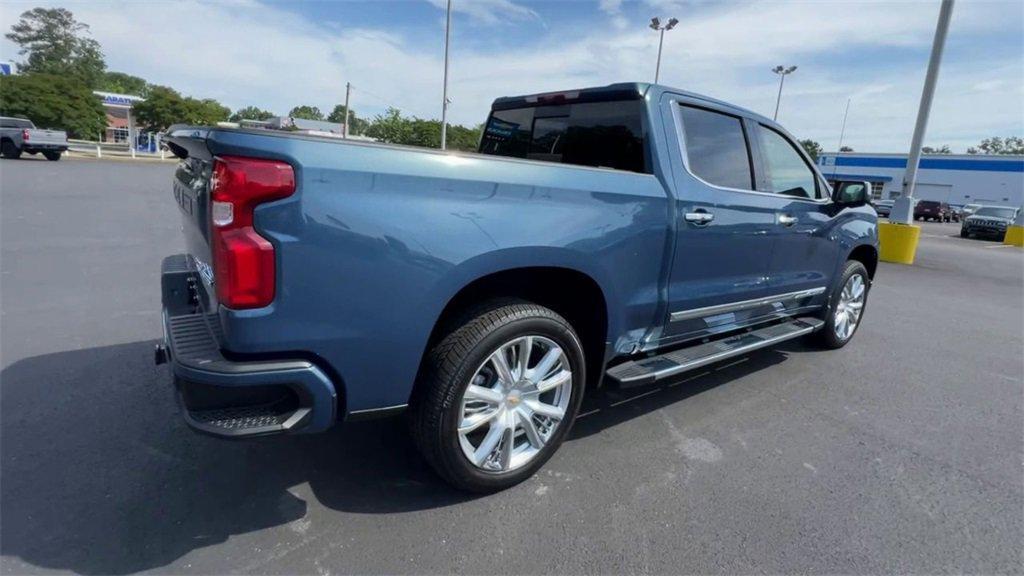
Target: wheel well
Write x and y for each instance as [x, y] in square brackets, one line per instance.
[868, 256]
[573, 295]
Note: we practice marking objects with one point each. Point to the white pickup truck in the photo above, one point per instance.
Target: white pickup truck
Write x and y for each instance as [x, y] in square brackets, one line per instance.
[19, 135]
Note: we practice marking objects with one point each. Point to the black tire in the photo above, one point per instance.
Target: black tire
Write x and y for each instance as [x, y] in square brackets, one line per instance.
[52, 156]
[447, 370]
[827, 337]
[963, 233]
[9, 150]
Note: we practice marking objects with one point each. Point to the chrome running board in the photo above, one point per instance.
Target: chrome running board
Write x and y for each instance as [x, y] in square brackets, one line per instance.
[654, 368]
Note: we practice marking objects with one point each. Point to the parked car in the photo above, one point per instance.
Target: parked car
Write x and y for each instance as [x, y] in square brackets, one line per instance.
[883, 207]
[931, 210]
[988, 221]
[968, 209]
[618, 236]
[18, 135]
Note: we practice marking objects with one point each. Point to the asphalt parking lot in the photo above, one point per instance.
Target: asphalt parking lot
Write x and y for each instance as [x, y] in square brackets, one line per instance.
[902, 452]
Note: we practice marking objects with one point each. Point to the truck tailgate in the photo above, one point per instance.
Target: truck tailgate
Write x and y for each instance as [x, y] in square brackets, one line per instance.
[191, 193]
[41, 137]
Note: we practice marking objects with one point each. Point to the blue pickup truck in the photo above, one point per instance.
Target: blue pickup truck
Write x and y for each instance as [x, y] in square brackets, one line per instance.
[614, 236]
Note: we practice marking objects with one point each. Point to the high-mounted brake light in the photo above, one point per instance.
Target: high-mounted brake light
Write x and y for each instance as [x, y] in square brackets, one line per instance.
[552, 97]
[243, 261]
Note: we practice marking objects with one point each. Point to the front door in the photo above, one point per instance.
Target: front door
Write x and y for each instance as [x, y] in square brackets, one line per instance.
[805, 253]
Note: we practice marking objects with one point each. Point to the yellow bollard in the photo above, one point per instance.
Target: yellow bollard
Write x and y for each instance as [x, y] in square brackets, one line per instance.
[1014, 236]
[898, 242]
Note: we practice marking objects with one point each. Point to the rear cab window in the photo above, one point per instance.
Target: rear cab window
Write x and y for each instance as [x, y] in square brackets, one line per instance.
[15, 123]
[606, 134]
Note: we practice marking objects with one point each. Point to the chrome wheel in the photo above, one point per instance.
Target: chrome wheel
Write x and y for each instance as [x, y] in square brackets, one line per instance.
[514, 403]
[849, 307]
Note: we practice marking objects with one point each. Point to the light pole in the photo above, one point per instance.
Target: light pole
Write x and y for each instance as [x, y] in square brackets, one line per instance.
[656, 25]
[782, 71]
[444, 96]
[903, 209]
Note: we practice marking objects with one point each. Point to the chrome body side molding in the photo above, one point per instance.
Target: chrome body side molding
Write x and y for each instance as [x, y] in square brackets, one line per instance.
[744, 304]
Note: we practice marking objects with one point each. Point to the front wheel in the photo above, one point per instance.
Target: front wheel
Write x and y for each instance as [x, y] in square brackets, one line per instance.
[52, 156]
[498, 395]
[846, 306]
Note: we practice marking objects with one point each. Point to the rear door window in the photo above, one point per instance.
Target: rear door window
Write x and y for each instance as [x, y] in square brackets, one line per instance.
[788, 174]
[600, 134]
[716, 148]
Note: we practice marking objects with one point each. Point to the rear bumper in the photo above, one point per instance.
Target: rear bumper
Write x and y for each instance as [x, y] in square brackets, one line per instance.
[44, 147]
[228, 398]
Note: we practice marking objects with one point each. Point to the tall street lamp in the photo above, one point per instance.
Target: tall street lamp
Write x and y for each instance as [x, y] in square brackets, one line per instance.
[444, 97]
[656, 25]
[782, 71]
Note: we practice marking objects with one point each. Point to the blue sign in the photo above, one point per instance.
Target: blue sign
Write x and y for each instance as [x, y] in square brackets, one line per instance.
[5, 69]
[117, 100]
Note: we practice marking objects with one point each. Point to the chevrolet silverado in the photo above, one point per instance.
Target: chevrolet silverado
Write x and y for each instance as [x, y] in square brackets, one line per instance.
[615, 236]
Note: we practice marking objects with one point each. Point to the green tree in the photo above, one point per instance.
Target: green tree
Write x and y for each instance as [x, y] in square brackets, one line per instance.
[123, 84]
[205, 112]
[165, 106]
[306, 112]
[357, 125]
[465, 139]
[390, 127]
[53, 102]
[55, 43]
[251, 113]
[997, 145]
[812, 148]
[944, 149]
[162, 108]
[393, 128]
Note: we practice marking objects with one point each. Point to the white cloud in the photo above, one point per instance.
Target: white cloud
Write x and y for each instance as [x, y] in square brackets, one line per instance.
[489, 11]
[250, 53]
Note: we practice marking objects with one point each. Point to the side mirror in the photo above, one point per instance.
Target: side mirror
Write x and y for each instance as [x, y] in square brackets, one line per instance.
[852, 193]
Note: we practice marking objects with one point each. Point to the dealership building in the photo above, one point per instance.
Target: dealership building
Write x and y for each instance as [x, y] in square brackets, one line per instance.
[120, 121]
[952, 178]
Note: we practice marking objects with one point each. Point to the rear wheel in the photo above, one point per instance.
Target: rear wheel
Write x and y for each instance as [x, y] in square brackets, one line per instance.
[846, 306]
[9, 150]
[498, 395]
[52, 156]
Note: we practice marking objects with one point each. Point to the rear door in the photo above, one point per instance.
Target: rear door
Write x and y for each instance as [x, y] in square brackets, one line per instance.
[805, 255]
[723, 227]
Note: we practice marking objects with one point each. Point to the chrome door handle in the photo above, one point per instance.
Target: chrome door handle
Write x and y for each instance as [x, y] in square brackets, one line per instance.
[787, 220]
[699, 218]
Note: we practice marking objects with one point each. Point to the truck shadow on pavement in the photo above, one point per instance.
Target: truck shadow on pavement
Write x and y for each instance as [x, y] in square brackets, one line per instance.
[101, 475]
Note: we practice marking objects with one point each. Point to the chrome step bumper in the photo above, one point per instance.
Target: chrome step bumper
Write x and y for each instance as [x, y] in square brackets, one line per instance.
[654, 368]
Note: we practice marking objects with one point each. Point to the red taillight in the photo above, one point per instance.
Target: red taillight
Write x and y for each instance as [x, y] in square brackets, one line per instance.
[243, 261]
[24, 134]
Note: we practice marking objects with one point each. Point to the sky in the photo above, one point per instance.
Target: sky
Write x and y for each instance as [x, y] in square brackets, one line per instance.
[278, 54]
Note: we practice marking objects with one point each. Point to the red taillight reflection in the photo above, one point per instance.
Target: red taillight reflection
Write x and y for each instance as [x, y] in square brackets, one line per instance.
[243, 261]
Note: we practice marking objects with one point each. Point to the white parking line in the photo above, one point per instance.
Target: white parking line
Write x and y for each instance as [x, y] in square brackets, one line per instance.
[1000, 246]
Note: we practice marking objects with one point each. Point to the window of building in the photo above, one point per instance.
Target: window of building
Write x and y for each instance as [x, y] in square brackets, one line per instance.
[788, 173]
[876, 190]
[716, 148]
